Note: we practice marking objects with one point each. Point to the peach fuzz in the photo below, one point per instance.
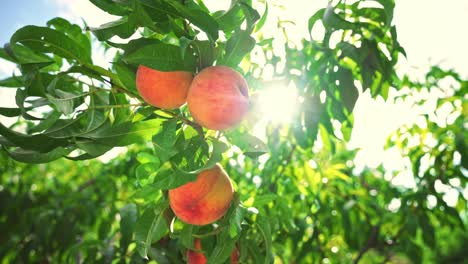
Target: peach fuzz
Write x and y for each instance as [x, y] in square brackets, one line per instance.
[166, 90]
[196, 257]
[218, 98]
[204, 200]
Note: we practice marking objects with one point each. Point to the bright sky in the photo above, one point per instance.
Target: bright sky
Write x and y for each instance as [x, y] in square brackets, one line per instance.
[431, 31]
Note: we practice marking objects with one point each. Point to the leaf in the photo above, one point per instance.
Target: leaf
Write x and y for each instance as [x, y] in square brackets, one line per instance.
[230, 20]
[31, 156]
[45, 39]
[198, 17]
[348, 91]
[216, 155]
[72, 31]
[250, 145]
[239, 45]
[164, 141]
[145, 171]
[251, 16]
[123, 27]
[93, 148]
[223, 249]
[333, 21]
[151, 227]
[63, 94]
[24, 55]
[262, 20]
[163, 57]
[12, 82]
[265, 229]
[40, 143]
[206, 52]
[10, 112]
[125, 133]
[314, 18]
[112, 7]
[127, 75]
[166, 178]
[128, 219]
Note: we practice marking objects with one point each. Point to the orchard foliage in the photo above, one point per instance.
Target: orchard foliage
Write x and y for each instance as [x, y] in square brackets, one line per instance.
[299, 197]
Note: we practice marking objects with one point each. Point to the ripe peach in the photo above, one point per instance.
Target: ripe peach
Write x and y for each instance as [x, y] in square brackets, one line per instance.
[204, 200]
[218, 98]
[195, 257]
[167, 90]
[235, 256]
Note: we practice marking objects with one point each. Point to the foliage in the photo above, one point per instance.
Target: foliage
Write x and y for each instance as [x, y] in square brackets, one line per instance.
[299, 197]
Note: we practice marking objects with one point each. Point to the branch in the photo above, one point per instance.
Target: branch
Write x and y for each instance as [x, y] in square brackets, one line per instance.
[196, 126]
[371, 242]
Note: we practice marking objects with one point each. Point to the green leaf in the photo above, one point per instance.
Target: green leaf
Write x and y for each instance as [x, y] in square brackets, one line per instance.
[125, 133]
[64, 94]
[206, 52]
[45, 39]
[216, 155]
[198, 17]
[265, 229]
[128, 219]
[10, 112]
[24, 55]
[93, 148]
[123, 27]
[12, 82]
[31, 156]
[127, 75]
[160, 56]
[145, 171]
[262, 20]
[164, 141]
[225, 244]
[112, 7]
[40, 143]
[166, 178]
[239, 45]
[151, 227]
[250, 145]
[348, 91]
[72, 31]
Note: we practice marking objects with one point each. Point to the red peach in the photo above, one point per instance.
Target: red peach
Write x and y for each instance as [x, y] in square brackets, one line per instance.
[204, 200]
[196, 257]
[167, 90]
[218, 98]
[235, 256]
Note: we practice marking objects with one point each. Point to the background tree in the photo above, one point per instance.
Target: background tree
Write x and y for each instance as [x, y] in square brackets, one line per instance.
[299, 196]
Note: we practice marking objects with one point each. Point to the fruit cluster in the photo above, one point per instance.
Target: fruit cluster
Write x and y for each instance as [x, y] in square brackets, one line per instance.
[218, 99]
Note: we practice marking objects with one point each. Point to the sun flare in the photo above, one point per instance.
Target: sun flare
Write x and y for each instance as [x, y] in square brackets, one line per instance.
[278, 103]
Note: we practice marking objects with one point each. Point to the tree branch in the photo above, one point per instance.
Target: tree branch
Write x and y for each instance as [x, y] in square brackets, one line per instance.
[371, 243]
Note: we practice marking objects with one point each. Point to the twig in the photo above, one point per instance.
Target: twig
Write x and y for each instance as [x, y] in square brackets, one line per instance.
[371, 242]
[115, 106]
[196, 126]
[86, 184]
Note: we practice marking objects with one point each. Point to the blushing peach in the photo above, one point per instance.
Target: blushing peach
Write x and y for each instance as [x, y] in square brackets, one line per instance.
[204, 200]
[195, 257]
[235, 255]
[167, 90]
[218, 98]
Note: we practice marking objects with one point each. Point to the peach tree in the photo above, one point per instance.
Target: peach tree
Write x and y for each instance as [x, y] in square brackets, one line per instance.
[298, 197]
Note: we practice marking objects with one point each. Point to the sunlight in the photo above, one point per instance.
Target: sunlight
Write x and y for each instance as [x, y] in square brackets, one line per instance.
[277, 103]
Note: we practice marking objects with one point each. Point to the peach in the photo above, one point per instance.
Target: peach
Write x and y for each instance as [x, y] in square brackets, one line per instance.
[235, 256]
[218, 98]
[204, 200]
[196, 257]
[166, 90]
